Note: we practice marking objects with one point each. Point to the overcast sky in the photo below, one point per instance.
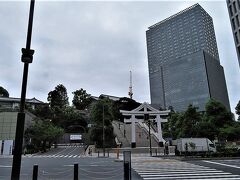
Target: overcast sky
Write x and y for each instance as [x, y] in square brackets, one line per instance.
[94, 45]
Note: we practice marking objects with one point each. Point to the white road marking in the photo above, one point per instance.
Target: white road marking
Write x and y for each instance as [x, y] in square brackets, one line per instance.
[187, 177]
[3, 166]
[186, 174]
[156, 168]
[172, 172]
[233, 166]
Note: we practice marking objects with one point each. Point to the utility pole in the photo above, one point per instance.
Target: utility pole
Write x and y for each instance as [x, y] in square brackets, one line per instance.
[130, 93]
[103, 134]
[27, 57]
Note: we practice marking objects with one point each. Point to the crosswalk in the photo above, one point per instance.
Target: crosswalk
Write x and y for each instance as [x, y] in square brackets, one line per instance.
[56, 156]
[150, 168]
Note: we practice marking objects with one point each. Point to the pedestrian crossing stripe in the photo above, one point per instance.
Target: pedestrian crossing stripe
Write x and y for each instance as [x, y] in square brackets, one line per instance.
[153, 170]
[174, 172]
[195, 177]
[55, 156]
[186, 174]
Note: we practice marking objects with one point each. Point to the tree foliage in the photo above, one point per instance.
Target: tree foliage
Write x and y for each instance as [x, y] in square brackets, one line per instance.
[102, 109]
[217, 114]
[73, 120]
[215, 122]
[42, 111]
[58, 97]
[191, 118]
[3, 92]
[230, 132]
[42, 134]
[206, 129]
[81, 99]
[101, 112]
[238, 110]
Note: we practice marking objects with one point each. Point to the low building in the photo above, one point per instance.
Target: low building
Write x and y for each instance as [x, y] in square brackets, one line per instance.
[8, 119]
[14, 103]
[114, 98]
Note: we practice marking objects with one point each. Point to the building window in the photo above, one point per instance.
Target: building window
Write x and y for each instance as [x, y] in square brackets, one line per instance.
[230, 9]
[237, 19]
[233, 24]
[238, 50]
[236, 37]
[234, 7]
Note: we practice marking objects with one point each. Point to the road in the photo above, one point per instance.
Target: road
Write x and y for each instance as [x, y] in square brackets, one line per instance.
[58, 164]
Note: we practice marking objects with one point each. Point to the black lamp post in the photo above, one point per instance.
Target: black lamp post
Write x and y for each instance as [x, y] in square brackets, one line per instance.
[103, 137]
[147, 119]
[27, 57]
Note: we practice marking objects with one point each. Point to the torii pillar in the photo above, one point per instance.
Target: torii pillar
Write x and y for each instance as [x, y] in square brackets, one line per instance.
[159, 121]
[132, 120]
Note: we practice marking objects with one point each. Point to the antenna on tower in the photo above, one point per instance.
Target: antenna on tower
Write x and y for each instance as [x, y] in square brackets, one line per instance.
[130, 93]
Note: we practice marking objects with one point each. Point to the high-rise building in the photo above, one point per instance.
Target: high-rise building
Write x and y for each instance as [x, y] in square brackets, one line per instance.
[183, 60]
[234, 13]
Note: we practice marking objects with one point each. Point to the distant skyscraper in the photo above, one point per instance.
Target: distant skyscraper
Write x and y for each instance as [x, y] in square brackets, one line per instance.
[183, 61]
[234, 13]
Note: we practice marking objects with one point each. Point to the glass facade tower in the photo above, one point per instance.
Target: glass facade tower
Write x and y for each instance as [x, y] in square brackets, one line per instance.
[183, 60]
[234, 14]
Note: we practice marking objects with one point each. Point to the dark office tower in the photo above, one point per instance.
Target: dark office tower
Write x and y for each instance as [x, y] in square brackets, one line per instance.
[234, 13]
[183, 61]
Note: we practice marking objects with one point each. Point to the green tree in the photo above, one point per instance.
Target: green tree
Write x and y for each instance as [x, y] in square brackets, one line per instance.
[100, 108]
[230, 132]
[217, 114]
[206, 129]
[99, 111]
[42, 111]
[41, 135]
[58, 97]
[3, 92]
[171, 128]
[189, 122]
[81, 99]
[73, 120]
[238, 110]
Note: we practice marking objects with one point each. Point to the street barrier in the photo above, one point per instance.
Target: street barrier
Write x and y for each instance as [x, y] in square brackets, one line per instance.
[127, 165]
[75, 171]
[35, 172]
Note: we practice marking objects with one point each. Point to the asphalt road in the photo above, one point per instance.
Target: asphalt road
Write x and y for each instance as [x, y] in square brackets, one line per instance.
[59, 164]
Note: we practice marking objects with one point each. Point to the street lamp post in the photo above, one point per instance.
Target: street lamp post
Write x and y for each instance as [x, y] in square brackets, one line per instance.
[27, 57]
[103, 134]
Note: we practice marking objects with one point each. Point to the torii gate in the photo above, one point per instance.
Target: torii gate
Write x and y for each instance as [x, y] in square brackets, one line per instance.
[142, 110]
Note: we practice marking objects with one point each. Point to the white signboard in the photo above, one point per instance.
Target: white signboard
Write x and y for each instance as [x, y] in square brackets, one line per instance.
[76, 137]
